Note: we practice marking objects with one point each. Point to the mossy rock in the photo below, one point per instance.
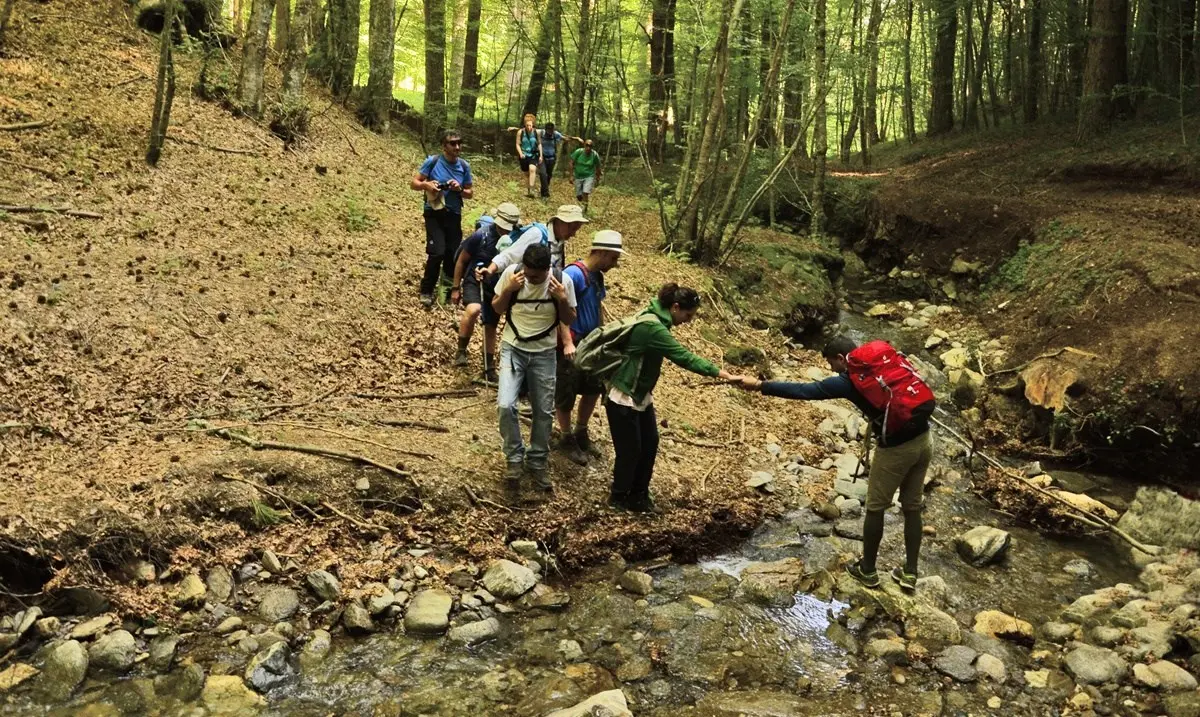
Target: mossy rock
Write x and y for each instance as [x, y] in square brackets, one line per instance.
[744, 355]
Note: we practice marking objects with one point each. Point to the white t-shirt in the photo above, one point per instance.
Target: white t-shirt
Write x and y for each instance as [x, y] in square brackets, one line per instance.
[533, 311]
[532, 235]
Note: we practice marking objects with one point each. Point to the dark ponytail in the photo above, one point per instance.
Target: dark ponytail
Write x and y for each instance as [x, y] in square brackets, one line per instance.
[673, 293]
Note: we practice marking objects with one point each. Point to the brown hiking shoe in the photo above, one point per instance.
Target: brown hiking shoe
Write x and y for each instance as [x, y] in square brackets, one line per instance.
[567, 444]
[513, 473]
[585, 443]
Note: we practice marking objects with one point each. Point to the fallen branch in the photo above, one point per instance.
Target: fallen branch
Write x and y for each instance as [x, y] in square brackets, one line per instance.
[286, 500]
[40, 225]
[1015, 369]
[44, 172]
[281, 407]
[448, 393]
[65, 211]
[22, 126]
[707, 473]
[347, 436]
[1082, 515]
[352, 519]
[226, 150]
[260, 445]
[412, 424]
[476, 500]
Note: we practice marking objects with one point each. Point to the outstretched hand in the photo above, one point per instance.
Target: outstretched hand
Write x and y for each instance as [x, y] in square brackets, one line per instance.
[748, 383]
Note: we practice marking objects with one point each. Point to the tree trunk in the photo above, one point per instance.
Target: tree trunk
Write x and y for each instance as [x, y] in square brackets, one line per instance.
[435, 69]
[1170, 55]
[381, 53]
[283, 25]
[683, 111]
[250, 79]
[766, 113]
[795, 86]
[541, 61]
[656, 121]
[1033, 65]
[295, 55]
[164, 94]
[820, 123]
[981, 60]
[343, 46]
[745, 75]
[1077, 37]
[580, 90]
[910, 119]
[856, 101]
[457, 50]
[706, 154]
[237, 17]
[469, 97]
[870, 111]
[1106, 66]
[671, 111]
[941, 77]
[970, 115]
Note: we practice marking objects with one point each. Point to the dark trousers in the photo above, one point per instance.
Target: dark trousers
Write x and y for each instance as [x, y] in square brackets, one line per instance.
[443, 234]
[635, 442]
[545, 173]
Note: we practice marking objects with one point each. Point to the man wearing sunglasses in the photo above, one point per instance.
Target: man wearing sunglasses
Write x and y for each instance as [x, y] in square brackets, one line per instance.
[445, 179]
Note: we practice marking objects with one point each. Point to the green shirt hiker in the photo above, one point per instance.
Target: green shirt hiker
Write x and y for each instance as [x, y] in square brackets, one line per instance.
[586, 163]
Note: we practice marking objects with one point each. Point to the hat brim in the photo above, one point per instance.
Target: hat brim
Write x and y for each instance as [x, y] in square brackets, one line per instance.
[573, 220]
[618, 250]
[503, 224]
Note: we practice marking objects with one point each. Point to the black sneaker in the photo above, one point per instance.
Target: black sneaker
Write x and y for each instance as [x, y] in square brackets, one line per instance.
[870, 579]
[461, 359]
[906, 581]
[643, 504]
[491, 377]
[585, 444]
[570, 448]
[427, 301]
[618, 501]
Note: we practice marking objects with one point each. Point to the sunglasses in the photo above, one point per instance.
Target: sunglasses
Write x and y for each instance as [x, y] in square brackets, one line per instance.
[454, 143]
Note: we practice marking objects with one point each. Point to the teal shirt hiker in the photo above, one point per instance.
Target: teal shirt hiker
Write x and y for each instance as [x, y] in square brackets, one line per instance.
[529, 142]
[649, 343]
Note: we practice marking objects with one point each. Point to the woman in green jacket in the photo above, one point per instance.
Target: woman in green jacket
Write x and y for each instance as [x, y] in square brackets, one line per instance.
[630, 405]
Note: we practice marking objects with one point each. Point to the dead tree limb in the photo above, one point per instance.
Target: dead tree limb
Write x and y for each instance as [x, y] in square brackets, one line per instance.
[394, 423]
[476, 500]
[30, 167]
[448, 393]
[65, 211]
[283, 498]
[260, 445]
[274, 409]
[347, 436]
[361, 524]
[1082, 515]
[22, 126]
[40, 225]
[164, 87]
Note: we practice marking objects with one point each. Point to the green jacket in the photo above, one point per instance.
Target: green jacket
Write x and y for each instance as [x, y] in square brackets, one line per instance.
[649, 343]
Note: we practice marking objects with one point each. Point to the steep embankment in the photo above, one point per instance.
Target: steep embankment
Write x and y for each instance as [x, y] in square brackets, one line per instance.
[1055, 244]
[274, 291]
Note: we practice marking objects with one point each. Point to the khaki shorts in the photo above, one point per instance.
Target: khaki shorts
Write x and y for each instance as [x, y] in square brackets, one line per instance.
[571, 382]
[900, 468]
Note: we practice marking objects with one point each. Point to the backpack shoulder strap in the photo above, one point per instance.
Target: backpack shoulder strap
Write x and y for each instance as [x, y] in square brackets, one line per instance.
[587, 277]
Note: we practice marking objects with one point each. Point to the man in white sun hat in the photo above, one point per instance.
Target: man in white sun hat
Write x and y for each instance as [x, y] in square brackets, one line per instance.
[476, 296]
[587, 276]
[565, 223]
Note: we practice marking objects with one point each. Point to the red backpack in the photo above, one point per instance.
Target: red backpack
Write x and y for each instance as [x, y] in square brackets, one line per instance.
[888, 381]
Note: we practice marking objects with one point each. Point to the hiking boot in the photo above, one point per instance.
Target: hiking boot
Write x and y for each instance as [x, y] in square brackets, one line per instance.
[569, 447]
[541, 479]
[585, 443]
[461, 359]
[491, 377]
[427, 301]
[870, 579]
[618, 502]
[513, 473]
[906, 581]
[642, 504]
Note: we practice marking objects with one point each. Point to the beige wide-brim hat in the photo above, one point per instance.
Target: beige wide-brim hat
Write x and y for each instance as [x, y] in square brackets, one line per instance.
[607, 240]
[570, 213]
[507, 216]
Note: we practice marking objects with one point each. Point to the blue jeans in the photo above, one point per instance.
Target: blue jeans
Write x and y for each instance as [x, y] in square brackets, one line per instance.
[517, 365]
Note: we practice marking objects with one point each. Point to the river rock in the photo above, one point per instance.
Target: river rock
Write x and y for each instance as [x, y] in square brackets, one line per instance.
[1092, 665]
[1164, 675]
[278, 604]
[228, 625]
[474, 633]
[983, 545]
[507, 579]
[114, 652]
[184, 684]
[162, 652]
[270, 668]
[190, 593]
[1163, 517]
[753, 703]
[15, 675]
[65, 667]
[219, 584]
[827, 511]
[955, 358]
[317, 648]
[1086, 608]
[610, 704]
[26, 619]
[1106, 635]
[849, 507]
[228, 695]
[90, 628]
[429, 613]
[849, 528]
[357, 620]
[270, 561]
[636, 582]
[891, 652]
[1059, 632]
[994, 623]
[957, 661]
[1152, 640]
[759, 479]
[992, 668]
[933, 588]
[379, 598]
[1134, 613]
[324, 585]
[773, 583]
[1183, 704]
[1080, 568]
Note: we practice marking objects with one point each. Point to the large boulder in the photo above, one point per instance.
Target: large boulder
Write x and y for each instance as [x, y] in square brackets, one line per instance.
[475, 632]
[324, 585]
[506, 579]
[278, 604]
[957, 661]
[65, 667]
[1163, 517]
[983, 545]
[994, 623]
[115, 652]
[228, 695]
[428, 613]
[270, 668]
[773, 583]
[1095, 665]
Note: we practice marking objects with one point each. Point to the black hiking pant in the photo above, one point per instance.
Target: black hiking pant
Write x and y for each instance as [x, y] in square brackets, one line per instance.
[635, 442]
[546, 173]
[443, 234]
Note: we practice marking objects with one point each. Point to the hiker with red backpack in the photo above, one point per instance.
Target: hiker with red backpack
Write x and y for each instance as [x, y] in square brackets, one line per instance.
[883, 384]
[587, 275]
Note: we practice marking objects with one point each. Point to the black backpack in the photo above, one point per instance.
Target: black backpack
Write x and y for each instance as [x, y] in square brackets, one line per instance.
[557, 273]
